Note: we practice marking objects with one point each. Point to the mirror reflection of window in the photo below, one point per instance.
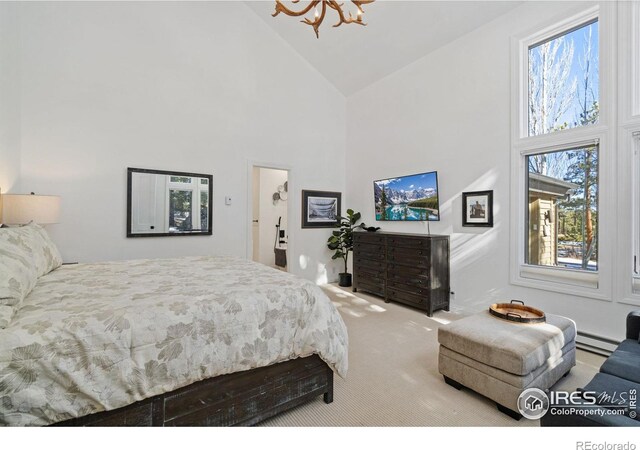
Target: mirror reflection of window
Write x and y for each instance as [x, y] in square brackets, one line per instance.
[162, 203]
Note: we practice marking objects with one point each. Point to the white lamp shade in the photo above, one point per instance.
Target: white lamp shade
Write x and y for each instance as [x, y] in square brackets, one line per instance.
[19, 209]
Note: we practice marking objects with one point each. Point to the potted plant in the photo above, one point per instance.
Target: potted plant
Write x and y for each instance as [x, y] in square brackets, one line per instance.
[341, 241]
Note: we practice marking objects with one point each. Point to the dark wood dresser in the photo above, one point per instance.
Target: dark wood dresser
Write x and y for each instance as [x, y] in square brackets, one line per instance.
[402, 267]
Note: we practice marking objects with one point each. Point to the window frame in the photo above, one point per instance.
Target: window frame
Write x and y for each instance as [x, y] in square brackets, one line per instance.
[629, 58]
[596, 285]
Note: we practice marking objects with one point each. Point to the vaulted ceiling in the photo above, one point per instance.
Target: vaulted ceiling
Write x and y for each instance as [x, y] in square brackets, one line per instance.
[398, 33]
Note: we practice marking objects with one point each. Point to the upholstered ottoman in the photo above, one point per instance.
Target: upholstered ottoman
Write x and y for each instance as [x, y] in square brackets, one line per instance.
[499, 358]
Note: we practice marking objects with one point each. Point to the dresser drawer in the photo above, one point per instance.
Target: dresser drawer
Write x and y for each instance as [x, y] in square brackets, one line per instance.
[408, 242]
[368, 285]
[407, 271]
[363, 247]
[370, 256]
[399, 295]
[403, 259]
[362, 271]
[361, 262]
[410, 280]
[408, 288]
[371, 278]
[405, 251]
[368, 238]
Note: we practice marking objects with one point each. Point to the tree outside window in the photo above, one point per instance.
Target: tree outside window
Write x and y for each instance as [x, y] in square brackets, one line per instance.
[180, 210]
[564, 81]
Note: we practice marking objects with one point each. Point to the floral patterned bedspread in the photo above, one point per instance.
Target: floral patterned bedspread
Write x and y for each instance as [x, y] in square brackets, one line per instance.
[95, 337]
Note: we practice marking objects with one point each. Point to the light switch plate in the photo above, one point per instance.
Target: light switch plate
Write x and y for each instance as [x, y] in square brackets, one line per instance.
[227, 200]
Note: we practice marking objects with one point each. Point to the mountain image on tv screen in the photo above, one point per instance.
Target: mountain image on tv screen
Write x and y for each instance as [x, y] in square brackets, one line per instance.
[414, 197]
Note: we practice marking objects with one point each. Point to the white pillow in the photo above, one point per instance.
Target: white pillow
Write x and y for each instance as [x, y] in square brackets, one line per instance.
[18, 273]
[45, 253]
[26, 253]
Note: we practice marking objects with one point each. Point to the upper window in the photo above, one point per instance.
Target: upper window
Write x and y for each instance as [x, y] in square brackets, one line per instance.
[563, 80]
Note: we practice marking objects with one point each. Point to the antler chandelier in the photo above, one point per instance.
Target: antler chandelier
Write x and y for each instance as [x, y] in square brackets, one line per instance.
[319, 16]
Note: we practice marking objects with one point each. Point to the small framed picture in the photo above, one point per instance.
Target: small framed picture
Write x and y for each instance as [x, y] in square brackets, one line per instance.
[477, 209]
[320, 209]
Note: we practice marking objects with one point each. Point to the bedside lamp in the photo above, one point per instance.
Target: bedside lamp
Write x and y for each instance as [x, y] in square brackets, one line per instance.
[20, 209]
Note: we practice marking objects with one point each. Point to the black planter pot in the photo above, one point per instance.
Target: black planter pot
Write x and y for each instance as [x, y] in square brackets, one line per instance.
[345, 279]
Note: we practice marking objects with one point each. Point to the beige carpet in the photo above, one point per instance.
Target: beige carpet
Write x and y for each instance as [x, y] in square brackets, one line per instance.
[393, 377]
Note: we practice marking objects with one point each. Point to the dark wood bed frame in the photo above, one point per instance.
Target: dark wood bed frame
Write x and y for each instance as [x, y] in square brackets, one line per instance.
[242, 398]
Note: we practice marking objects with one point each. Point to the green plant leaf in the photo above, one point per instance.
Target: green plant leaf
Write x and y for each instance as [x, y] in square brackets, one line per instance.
[341, 240]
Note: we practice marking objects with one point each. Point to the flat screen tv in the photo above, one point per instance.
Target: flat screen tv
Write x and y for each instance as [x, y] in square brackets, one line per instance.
[410, 198]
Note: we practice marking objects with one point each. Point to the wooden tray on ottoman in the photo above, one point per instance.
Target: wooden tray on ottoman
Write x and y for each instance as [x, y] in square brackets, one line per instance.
[517, 311]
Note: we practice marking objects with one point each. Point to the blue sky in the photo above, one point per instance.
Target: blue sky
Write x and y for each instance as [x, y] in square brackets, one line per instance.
[408, 183]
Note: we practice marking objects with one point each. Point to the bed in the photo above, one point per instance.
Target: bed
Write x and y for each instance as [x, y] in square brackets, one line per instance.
[186, 341]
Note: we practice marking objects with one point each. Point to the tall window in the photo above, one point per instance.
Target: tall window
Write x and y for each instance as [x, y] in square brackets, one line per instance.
[561, 141]
[563, 89]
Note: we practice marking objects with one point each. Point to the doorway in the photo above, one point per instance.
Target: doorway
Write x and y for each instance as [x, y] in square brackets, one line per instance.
[269, 213]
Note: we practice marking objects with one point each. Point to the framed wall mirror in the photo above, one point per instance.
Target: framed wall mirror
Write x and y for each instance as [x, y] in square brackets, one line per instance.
[164, 203]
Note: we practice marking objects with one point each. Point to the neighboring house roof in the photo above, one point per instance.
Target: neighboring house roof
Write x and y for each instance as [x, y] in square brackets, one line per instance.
[548, 185]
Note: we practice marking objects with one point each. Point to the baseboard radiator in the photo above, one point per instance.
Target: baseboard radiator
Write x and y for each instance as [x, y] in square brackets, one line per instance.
[596, 344]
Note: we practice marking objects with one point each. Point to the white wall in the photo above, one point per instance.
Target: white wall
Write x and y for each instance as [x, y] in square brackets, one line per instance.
[450, 112]
[195, 87]
[270, 179]
[9, 100]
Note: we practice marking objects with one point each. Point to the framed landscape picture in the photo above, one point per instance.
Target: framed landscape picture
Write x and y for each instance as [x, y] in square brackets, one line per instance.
[320, 209]
[477, 209]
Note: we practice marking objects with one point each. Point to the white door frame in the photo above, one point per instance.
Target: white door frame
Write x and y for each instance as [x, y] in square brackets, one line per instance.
[291, 201]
